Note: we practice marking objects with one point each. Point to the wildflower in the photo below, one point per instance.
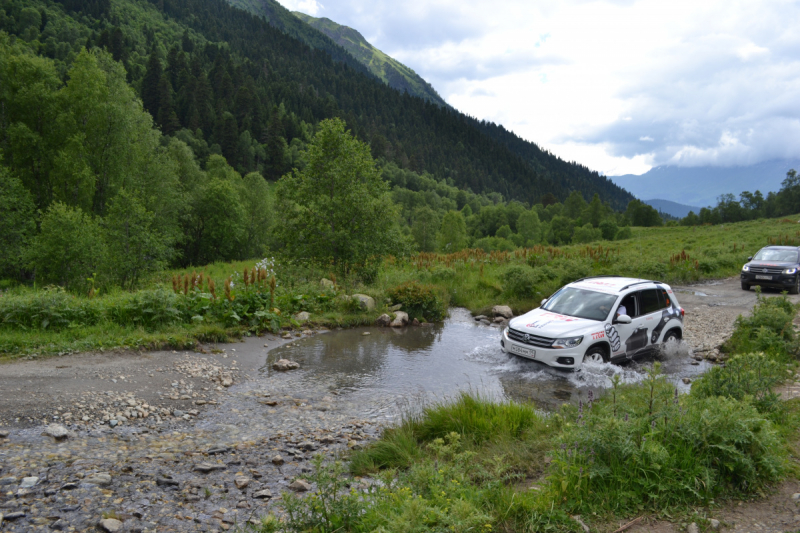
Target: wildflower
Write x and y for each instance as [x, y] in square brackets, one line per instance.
[626, 417]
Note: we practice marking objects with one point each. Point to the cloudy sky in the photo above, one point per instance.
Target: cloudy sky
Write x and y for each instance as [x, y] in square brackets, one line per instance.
[619, 86]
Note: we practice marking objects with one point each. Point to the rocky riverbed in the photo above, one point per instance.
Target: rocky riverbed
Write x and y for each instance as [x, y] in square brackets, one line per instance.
[178, 441]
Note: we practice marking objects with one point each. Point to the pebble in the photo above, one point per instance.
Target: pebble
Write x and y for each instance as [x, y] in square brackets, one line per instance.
[692, 528]
[98, 479]
[28, 482]
[241, 482]
[277, 460]
[265, 494]
[56, 431]
[714, 523]
[284, 365]
[111, 525]
[205, 468]
[300, 485]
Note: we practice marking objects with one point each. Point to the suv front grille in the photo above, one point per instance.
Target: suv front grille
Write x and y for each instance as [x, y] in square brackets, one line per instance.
[533, 340]
[766, 270]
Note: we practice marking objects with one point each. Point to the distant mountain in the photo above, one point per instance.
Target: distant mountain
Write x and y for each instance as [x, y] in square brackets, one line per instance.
[702, 185]
[392, 72]
[672, 208]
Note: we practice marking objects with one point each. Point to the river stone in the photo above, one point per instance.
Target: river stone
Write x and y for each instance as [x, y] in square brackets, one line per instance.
[364, 301]
[111, 525]
[277, 460]
[503, 311]
[285, 364]
[383, 320]
[56, 431]
[302, 316]
[14, 516]
[400, 320]
[307, 446]
[714, 523]
[241, 482]
[101, 479]
[28, 482]
[692, 528]
[265, 494]
[4, 433]
[205, 468]
[300, 485]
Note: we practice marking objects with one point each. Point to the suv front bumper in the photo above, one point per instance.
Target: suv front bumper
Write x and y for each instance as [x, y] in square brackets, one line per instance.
[567, 358]
[778, 281]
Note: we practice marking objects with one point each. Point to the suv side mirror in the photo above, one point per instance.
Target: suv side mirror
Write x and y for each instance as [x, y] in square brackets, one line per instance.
[750, 258]
[544, 301]
[622, 319]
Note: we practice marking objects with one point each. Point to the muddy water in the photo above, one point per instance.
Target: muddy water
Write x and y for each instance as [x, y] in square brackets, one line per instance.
[389, 370]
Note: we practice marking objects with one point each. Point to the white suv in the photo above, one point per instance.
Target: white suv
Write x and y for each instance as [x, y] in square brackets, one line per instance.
[597, 319]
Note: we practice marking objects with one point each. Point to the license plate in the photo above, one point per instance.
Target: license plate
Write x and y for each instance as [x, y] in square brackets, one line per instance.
[763, 277]
[524, 352]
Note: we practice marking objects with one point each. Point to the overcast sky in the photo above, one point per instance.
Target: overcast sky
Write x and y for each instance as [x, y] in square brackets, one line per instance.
[619, 86]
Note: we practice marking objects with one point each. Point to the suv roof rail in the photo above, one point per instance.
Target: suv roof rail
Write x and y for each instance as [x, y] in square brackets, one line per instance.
[603, 276]
[640, 283]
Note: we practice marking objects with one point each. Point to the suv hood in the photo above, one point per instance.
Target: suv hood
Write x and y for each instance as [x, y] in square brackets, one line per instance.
[547, 324]
[773, 264]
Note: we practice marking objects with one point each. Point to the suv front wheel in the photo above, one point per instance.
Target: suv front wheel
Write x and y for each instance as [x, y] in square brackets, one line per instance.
[595, 354]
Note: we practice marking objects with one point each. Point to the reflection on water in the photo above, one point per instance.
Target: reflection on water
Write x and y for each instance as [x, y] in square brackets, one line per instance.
[404, 366]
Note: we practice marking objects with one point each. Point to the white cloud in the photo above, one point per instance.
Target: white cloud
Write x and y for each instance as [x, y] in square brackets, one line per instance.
[309, 7]
[611, 84]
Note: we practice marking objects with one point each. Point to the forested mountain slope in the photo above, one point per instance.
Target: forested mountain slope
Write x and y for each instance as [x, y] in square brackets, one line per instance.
[228, 82]
[392, 72]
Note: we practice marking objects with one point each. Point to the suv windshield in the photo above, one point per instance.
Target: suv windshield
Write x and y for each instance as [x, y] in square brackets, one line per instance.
[776, 254]
[581, 303]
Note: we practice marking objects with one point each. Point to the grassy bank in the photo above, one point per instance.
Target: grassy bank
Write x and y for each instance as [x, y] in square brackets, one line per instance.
[471, 464]
[223, 301]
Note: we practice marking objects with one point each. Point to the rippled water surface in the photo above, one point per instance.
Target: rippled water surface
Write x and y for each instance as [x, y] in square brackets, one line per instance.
[393, 367]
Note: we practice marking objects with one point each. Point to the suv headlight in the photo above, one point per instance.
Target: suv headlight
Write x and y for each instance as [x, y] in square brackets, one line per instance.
[746, 268]
[570, 342]
[790, 271]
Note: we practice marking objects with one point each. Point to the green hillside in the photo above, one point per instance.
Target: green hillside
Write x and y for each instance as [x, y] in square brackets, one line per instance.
[388, 69]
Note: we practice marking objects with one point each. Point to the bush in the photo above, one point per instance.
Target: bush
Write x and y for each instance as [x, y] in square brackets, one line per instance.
[647, 448]
[520, 281]
[587, 233]
[47, 309]
[624, 233]
[420, 301]
[609, 229]
[749, 376]
[768, 329]
[68, 249]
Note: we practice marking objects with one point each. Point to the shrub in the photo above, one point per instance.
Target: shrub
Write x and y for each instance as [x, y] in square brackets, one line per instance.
[609, 229]
[520, 281]
[47, 309]
[420, 301]
[586, 233]
[768, 329]
[440, 273]
[744, 376]
[68, 249]
[646, 447]
[624, 233]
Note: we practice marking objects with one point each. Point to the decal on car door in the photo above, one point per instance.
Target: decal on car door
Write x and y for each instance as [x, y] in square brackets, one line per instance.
[613, 338]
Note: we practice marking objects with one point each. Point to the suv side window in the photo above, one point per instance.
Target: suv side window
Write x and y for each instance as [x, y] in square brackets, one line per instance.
[664, 299]
[629, 302]
[650, 301]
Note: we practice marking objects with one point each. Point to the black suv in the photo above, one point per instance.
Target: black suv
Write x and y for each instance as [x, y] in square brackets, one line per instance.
[773, 266]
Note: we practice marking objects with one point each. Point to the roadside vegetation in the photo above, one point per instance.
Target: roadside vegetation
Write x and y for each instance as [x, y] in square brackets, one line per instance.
[473, 464]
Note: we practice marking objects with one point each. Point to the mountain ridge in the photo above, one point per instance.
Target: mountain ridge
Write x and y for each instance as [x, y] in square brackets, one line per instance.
[703, 185]
[389, 70]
